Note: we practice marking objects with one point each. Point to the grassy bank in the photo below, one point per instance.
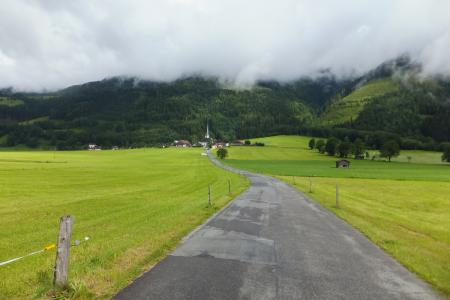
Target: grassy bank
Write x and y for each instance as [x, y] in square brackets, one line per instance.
[135, 205]
[402, 207]
[408, 219]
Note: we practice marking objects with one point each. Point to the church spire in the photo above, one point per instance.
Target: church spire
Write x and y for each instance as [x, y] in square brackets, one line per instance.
[207, 130]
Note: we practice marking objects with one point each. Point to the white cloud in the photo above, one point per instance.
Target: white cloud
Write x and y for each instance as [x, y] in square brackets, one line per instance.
[55, 43]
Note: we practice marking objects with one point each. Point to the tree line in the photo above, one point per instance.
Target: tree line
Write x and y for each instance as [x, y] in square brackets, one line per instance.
[129, 113]
[358, 149]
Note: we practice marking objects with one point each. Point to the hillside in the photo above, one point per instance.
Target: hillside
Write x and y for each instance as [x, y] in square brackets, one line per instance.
[346, 109]
[129, 112]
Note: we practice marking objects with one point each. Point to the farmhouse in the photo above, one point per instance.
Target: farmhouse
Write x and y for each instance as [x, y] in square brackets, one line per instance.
[220, 144]
[238, 143]
[182, 144]
[94, 147]
[342, 163]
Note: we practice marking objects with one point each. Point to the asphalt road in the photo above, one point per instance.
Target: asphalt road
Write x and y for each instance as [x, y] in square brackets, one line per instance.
[272, 242]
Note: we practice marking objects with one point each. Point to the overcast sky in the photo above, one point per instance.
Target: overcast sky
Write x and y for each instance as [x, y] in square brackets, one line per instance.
[55, 43]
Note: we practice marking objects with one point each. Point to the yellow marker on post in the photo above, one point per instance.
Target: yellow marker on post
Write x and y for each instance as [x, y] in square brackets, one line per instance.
[50, 247]
[46, 248]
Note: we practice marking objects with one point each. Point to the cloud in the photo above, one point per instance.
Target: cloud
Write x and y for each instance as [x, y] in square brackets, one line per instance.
[52, 43]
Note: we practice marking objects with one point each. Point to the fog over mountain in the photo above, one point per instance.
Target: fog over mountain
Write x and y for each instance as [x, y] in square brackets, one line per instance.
[50, 44]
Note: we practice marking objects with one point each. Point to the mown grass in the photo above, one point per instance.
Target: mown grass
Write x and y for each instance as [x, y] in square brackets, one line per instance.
[135, 205]
[347, 108]
[287, 155]
[408, 219]
[402, 207]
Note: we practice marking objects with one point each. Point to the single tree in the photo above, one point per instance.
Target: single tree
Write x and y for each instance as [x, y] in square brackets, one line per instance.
[446, 155]
[320, 146]
[312, 143]
[344, 149]
[222, 153]
[359, 148]
[390, 149]
[331, 146]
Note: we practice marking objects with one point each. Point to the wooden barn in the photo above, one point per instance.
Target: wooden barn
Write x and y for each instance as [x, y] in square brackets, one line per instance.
[343, 163]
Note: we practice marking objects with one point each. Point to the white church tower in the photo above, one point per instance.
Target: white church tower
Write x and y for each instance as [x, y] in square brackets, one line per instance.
[207, 130]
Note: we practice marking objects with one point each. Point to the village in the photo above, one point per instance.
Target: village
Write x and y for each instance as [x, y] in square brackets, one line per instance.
[208, 143]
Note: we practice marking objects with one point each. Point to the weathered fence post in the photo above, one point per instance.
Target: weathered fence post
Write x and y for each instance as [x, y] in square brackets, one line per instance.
[209, 194]
[337, 195]
[229, 186]
[293, 180]
[62, 252]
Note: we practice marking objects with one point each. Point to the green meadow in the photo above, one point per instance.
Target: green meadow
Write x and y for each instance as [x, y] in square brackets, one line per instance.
[135, 205]
[290, 156]
[402, 207]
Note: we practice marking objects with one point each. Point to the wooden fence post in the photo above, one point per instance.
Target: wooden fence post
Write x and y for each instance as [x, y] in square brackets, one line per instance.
[61, 275]
[310, 185]
[337, 195]
[229, 186]
[209, 194]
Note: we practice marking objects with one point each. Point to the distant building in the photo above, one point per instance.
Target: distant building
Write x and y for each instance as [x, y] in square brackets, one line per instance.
[207, 139]
[207, 131]
[94, 147]
[220, 144]
[182, 144]
[238, 143]
[342, 163]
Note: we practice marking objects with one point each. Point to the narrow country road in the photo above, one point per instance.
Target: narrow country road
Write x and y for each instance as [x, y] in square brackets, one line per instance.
[272, 242]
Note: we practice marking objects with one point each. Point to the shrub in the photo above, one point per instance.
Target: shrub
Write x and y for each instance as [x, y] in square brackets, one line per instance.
[344, 149]
[312, 143]
[331, 146]
[446, 155]
[359, 148]
[222, 153]
[390, 149]
[320, 146]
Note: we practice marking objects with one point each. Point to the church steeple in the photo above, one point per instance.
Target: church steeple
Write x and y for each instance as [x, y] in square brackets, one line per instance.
[207, 130]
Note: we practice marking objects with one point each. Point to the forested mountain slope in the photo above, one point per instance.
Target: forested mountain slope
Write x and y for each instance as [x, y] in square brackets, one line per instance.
[130, 112]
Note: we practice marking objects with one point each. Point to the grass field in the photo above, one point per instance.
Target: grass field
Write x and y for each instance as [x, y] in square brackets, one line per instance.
[285, 155]
[403, 207]
[135, 205]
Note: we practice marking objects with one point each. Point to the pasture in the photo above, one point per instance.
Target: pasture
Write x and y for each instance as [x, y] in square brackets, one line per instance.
[135, 205]
[290, 156]
[403, 207]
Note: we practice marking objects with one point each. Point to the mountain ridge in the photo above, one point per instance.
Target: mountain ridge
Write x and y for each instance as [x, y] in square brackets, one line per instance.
[131, 112]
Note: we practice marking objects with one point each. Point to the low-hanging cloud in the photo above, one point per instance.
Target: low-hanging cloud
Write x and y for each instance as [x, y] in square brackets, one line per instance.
[50, 44]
